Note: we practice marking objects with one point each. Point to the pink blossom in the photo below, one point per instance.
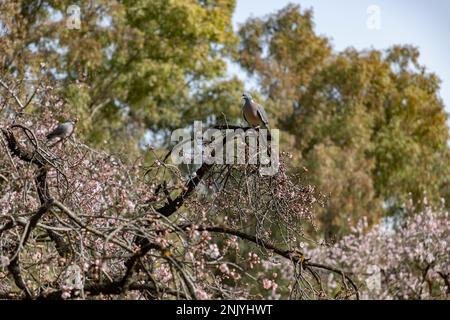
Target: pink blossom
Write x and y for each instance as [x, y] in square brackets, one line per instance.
[267, 284]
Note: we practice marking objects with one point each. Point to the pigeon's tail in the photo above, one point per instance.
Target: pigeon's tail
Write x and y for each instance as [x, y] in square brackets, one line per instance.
[269, 136]
[269, 145]
[268, 141]
[50, 136]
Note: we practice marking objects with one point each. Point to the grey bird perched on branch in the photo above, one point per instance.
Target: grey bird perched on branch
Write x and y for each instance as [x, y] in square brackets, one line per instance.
[63, 130]
[254, 113]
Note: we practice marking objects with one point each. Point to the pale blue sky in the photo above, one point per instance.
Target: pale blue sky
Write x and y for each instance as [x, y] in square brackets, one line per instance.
[423, 23]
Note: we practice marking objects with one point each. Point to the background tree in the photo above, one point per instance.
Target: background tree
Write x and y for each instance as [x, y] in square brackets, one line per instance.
[369, 126]
[132, 66]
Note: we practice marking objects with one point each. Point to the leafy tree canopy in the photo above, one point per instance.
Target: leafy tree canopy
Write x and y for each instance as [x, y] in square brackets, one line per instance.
[139, 63]
[369, 125]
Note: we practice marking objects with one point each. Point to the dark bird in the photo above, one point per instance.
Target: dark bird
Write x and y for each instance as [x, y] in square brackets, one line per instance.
[254, 113]
[63, 130]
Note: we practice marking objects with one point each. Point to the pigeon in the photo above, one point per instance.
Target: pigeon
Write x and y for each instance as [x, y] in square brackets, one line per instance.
[254, 113]
[63, 130]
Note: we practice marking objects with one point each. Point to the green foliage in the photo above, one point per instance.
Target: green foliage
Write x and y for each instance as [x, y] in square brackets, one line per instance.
[370, 126]
[132, 66]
